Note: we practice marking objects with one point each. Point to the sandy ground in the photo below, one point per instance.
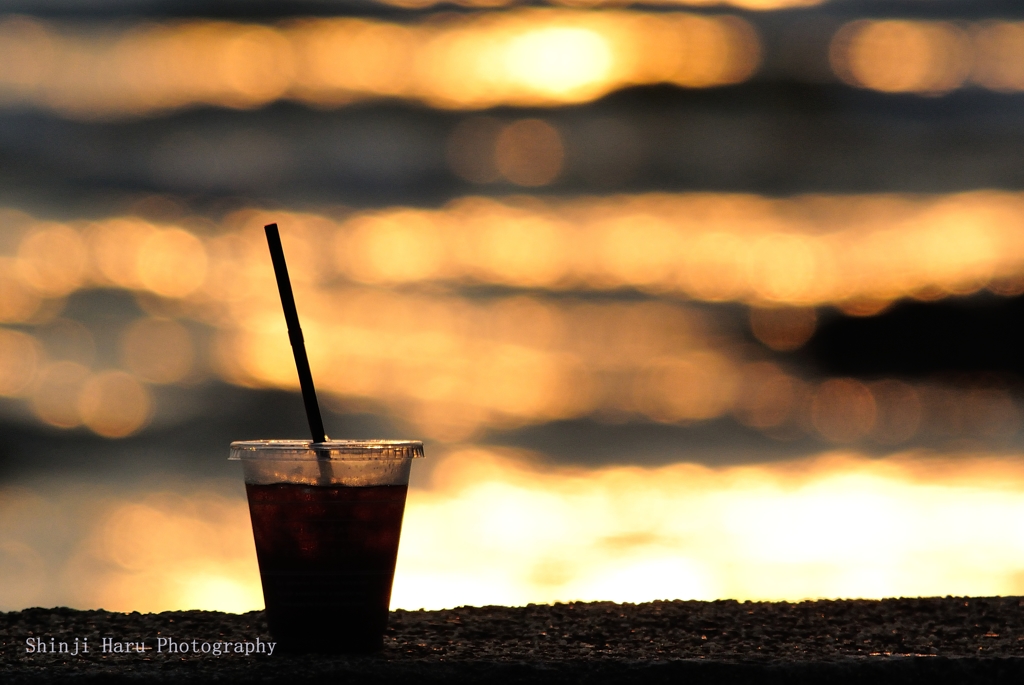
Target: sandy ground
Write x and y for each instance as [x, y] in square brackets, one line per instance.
[897, 640]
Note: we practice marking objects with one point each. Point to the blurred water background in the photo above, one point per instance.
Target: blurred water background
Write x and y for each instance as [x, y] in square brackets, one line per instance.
[687, 300]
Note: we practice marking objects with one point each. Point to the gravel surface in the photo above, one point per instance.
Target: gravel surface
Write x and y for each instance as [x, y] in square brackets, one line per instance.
[896, 640]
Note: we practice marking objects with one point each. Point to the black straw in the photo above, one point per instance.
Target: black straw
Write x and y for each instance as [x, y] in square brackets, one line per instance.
[291, 317]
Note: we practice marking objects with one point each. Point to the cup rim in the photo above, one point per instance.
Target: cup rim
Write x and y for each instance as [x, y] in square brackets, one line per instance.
[332, 449]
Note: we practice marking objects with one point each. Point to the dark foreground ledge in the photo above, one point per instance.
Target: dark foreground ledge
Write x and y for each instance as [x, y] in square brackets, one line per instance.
[954, 640]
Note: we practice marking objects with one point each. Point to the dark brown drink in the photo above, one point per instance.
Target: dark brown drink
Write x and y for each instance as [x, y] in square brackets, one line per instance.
[327, 560]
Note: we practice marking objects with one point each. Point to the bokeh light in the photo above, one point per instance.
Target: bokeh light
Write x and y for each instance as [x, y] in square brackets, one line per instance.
[519, 57]
[999, 55]
[929, 57]
[500, 527]
[756, 5]
[474, 365]
[860, 251]
[52, 259]
[55, 397]
[843, 410]
[25, 569]
[783, 329]
[529, 152]
[172, 263]
[898, 56]
[558, 60]
[19, 357]
[838, 525]
[116, 244]
[166, 550]
[506, 319]
[768, 397]
[113, 404]
[898, 411]
[18, 301]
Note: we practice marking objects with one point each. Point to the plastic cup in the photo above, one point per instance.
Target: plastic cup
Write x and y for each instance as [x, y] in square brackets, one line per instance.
[326, 522]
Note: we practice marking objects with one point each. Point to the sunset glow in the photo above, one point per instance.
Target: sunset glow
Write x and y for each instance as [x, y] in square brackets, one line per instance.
[477, 364]
[499, 528]
[517, 57]
[812, 250]
[756, 5]
[716, 301]
[835, 526]
[528, 57]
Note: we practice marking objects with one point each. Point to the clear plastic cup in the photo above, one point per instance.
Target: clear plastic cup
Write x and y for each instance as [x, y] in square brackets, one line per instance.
[326, 520]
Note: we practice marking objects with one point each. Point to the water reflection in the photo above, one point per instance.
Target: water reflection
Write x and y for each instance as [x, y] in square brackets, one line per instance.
[857, 252]
[472, 364]
[519, 57]
[501, 528]
[929, 57]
